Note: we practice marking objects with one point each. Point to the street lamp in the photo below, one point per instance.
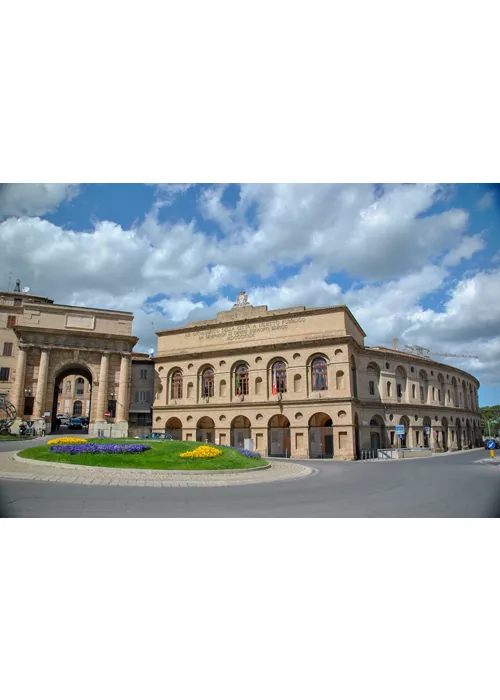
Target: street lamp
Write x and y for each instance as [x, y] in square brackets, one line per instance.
[27, 392]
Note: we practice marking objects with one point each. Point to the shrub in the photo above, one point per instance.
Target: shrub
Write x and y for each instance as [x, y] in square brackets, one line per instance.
[95, 448]
[202, 452]
[67, 441]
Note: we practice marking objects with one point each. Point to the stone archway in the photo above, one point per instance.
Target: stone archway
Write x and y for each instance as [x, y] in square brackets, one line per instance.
[205, 430]
[173, 427]
[57, 376]
[241, 430]
[279, 442]
[458, 426]
[444, 423]
[320, 436]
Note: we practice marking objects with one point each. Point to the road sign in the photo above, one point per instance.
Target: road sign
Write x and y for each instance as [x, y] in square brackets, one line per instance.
[107, 414]
[400, 429]
[491, 444]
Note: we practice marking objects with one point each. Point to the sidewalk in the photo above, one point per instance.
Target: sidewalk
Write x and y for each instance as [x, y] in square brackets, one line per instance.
[12, 467]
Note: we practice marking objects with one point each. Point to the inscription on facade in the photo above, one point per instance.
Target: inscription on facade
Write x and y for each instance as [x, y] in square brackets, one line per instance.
[85, 322]
[247, 331]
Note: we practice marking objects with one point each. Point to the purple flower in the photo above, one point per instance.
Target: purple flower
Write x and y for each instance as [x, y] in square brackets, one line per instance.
[97, 448]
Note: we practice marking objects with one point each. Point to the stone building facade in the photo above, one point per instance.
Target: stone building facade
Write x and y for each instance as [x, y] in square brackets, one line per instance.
[301, 382]
[45, 344]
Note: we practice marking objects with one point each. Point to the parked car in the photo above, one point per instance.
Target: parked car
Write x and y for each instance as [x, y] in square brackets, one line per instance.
[155, 436]
[75, 424]
[85, 421]
[64, 419]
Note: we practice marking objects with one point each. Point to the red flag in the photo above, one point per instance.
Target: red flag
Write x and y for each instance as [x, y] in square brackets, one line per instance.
[275, 388]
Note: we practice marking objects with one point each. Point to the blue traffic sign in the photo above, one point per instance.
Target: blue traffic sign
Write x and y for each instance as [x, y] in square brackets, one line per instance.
[400, 429]
[491, 444]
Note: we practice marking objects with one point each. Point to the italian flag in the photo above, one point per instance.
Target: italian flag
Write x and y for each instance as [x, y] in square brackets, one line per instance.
[275, 388]
[238, 384]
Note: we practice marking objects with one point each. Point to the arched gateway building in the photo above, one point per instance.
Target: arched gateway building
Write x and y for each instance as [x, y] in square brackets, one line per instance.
[301, 383]
[57, 358]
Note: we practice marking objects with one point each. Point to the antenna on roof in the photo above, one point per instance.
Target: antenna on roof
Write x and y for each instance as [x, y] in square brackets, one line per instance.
[17, 288]
[10, 277]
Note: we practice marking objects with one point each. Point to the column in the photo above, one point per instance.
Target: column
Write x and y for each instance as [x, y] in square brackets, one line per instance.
[102, 394]
[122, 405]
[41, 386]
[18, 388]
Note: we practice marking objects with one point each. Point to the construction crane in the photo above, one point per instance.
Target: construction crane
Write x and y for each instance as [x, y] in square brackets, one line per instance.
[424, 352]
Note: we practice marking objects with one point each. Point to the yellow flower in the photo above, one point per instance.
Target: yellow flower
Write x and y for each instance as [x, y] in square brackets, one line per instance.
[203, 452]
[67, 441]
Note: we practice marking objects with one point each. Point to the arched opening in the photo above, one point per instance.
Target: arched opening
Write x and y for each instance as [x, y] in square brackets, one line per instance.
[205, 430]
[423, 385]
[373, 375]
[354, 377]
[444, 423]
[240, 431]
[357, 442]
[207, 382]
[454, 388]
[319, 374]
[173, 427]
[339, 380]
[176, 384]
[427, 431]
[320, 436]
[279, 436]
[278, 381]
[400, 384]
[69, 415]
[468, 433]
[458, 427]
[404, 440]
[377, 433]
[241, 380]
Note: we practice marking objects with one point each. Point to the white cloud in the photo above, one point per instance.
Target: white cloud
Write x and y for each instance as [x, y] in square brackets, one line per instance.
[167, 193]
[381, 237]
[33, 200]
[486, 201]
[465, 249]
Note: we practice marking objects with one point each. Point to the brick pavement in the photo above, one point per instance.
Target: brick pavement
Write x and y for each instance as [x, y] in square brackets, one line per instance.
[13, 467]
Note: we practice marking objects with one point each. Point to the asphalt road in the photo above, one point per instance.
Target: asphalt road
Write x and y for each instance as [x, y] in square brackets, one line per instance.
[443, 486]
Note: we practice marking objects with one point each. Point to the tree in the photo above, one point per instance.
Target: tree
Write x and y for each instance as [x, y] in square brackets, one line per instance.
[490, 414]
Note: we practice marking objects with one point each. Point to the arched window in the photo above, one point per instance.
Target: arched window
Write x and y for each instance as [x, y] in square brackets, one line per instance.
[177, 385]
[319, 371]
[79, 387]
[77, 408]
[279, 377]
[388, 388]
[207, 382]
[68, 386]
[354, 377]
[413, 389]
[433, 394]
[241, 377]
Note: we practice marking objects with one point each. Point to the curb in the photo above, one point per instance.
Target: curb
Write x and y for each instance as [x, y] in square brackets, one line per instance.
[135, 472]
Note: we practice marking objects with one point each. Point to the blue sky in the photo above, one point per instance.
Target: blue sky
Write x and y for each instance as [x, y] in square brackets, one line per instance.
[418, 262]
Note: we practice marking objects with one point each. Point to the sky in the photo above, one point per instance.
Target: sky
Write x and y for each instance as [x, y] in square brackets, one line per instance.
[417, 262]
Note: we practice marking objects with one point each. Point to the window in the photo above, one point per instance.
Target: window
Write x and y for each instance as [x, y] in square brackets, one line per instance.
[7, 349]
[319, 374]
[142, 397]
[68, 387]
[399, 391]
[4, 374]
[413, 390]
[79, 387]
[421, 393]
[371, 385]
[207, 382]
[433, 394]
[11, 321]
[18, 301]
[29, 403]
[112, 407]
[439, 394]
[140, 419]
[241, 380]
[77, 408]
[279, 377]
[144, 373]
[388, 388]
[417, 436]
[176, 392]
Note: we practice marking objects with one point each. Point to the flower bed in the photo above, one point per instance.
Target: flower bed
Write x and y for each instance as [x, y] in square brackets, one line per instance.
[100, 448]
[202, 452]
[67, 441]
[241, 450]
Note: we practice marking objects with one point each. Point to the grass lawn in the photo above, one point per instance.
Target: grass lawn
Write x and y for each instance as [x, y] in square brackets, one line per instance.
[162, 455]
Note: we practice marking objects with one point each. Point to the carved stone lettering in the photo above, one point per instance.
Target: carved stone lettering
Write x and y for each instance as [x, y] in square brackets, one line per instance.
[86, 322]
[245, 332]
